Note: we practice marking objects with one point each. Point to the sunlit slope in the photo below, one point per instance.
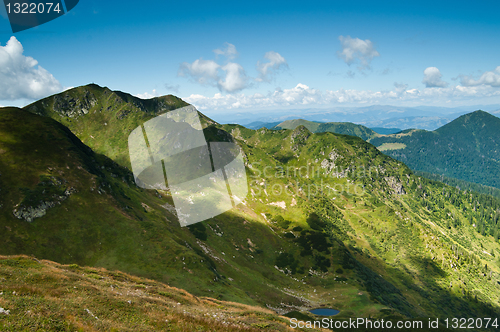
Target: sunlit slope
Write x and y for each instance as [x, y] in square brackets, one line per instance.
[61, 201]
[429, 240]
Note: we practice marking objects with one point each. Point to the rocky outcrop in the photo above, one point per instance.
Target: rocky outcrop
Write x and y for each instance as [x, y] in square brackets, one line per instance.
[72, 107]
[299, 137]
[330, 167]
[37, 209]
[395, 185]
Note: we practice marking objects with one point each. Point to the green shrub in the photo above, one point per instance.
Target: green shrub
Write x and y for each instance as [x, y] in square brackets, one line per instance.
[199, 231]
[281, 222]
[315, 222]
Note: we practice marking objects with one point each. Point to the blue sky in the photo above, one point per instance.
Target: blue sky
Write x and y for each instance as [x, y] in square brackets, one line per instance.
[224, 56]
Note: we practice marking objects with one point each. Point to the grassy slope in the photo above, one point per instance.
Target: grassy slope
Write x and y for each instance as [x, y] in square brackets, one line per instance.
[466, 148]
[461, 184]
[44, 295]
[376, 233]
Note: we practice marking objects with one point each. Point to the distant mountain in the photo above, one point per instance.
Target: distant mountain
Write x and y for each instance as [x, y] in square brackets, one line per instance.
[260, 124]
[292, 124]
[420, 122]
[467, 148]
[344, 128]
[385, 131]
[385, 116]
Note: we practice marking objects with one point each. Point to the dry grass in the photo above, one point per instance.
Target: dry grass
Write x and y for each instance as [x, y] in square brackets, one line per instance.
[44, 295]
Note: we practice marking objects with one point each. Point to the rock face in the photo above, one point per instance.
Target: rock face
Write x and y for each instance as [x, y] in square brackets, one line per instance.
[71, 107]
[30, 213]
[46, 195]
[330, 167]
[299, 137]
[396, 185]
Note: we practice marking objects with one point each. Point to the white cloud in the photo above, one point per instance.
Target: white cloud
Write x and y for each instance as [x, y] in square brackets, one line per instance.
[208, 72]
[303, 95]
[21, 77]
[230, 77]
[300, 94]
[432, 78]
[235, 79]
[357, 50]
[147, 95]
[491, 78]
[267, 69]
[203, 71]
[229, 51]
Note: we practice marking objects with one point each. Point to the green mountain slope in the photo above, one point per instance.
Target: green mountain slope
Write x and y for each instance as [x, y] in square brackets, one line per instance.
[329, 220]
[467, 148]
[344, 128]
[461, 184]
[389, 225]
[62, 201]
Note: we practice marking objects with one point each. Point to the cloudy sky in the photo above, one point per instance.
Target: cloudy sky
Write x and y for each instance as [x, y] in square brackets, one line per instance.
[224, 56]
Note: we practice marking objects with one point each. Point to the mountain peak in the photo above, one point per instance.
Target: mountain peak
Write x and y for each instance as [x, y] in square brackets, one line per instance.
[99, 116]
[476, 122]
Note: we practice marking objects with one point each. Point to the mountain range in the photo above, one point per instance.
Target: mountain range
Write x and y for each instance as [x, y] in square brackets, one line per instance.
[329, 220]
[384, 116]
[344, 128]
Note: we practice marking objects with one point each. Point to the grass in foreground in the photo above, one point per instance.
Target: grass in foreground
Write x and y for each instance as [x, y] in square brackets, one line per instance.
[47, 296]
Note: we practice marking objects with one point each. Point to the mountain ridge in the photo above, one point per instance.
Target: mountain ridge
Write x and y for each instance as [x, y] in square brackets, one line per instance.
[344, 128]
[325, 212]
[91, 109]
